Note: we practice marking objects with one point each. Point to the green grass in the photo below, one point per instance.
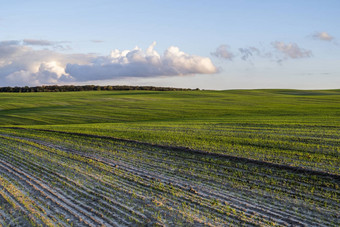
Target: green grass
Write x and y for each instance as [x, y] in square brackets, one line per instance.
[289, 127]
[119, 150]
[137, 106]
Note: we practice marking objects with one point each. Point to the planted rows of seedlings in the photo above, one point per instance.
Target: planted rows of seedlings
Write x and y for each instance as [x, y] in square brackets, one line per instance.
[310, 145]
[53, 178]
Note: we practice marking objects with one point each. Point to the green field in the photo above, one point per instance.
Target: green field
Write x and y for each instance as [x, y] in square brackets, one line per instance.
[174, 158]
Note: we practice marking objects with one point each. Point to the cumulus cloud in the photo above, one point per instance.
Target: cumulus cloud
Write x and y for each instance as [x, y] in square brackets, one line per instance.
[23, 65]
[223, 51]
[139, 63]
[47, 73]
[291, 50]
[324, 36]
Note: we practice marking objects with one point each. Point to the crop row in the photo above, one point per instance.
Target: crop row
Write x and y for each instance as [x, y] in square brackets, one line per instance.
[81, 180]
[311, 146]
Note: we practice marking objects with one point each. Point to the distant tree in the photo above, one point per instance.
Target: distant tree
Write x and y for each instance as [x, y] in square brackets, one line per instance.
[64, 88]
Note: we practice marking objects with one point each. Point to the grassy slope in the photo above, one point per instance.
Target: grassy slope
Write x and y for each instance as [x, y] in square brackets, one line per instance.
[136, 106]
[290, 127]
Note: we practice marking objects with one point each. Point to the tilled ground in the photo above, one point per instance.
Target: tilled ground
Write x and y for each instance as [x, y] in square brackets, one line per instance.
[51, 178]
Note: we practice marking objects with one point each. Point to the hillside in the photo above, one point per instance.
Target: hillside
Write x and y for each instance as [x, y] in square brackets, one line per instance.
[238, 157]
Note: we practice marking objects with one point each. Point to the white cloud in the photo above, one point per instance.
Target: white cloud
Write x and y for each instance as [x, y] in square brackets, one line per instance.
[291, 50]
[47, 73]
[137, 63]
[223, 52]
[322, 36]
[22, 65]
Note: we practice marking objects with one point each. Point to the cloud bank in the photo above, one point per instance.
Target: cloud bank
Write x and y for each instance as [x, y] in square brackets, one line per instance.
[139, 63]
[21, 64]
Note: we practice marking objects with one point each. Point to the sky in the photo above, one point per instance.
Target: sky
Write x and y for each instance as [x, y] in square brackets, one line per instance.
[206, 44]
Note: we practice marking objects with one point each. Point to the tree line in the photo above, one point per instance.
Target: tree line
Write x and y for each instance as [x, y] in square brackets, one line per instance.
[65, 88]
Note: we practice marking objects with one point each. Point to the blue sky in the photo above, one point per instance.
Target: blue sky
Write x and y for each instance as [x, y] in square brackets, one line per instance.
[205, 44]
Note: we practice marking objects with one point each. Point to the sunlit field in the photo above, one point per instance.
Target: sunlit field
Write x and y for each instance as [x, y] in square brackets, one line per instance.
[173, 158]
